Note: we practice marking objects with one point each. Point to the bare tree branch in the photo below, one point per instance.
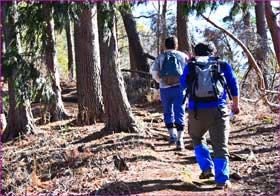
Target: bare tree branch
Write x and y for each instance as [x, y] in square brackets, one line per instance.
[136, 71]
[251, 60]
[150, 56]
[144, 16]
[272, 92]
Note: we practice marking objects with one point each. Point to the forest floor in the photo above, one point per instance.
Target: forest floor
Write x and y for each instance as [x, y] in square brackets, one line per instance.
[63, 158]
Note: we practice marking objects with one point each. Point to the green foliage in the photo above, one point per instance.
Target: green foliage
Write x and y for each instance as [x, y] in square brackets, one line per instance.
[19, 67]
[106, 19]
[125, 7]
[200, 7]
[5, 103]
[186, 176]
[139, 2]
[61, 15]
[253, 129]
[142, 28]
[187, 8]
[63, 12]
[62, 55]
[23, 73]
[44, 89]
[31, 25]
[235, 10]
[31, 21]
[267, 120]
[75, 9]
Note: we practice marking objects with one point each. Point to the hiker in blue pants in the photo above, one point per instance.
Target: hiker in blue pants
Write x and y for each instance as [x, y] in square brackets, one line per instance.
[166, 70]
[207, 79]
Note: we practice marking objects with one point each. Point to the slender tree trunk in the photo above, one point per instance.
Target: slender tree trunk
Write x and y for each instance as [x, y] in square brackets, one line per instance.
[118, 111]
[90, 101]
[69, 36]
[20, 118]
[247, 26]
[262, 50]
[247, 19]
[56, 107]
[158, 28]
[182, 28]
[135, 44]
[132, 61]
[4, 8]
[163, 26]
[274, 29]
[247, 29]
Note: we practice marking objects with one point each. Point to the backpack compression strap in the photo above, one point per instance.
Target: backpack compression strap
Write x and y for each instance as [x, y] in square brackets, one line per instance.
[189, 77]
[223, 68]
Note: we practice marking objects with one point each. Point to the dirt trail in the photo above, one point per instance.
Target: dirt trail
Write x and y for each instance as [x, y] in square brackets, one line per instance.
[66, 158]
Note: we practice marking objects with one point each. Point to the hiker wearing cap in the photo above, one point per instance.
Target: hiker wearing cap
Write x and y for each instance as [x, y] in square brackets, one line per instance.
[166, 70]
[208, 82]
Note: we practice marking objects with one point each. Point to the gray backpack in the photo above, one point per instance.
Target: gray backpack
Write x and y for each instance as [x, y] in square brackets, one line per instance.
[206, 81]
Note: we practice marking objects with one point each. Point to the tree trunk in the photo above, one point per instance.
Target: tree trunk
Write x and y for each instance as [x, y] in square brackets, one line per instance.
[182, 28]
[247, 19]
[56, 107]
[134, 41]
[20, 118]
[274, 29]
[4, 8]
[163, 26]
[158, 28]
[117, 108]
[69, 36]
[262, 50]
[132, 61]
[88, 71]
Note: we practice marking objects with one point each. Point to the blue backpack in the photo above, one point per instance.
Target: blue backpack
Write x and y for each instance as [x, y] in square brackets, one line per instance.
[171, 70]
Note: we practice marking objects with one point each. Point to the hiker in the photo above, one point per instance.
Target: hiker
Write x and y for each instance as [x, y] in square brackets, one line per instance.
[208, 81]
[166, 70]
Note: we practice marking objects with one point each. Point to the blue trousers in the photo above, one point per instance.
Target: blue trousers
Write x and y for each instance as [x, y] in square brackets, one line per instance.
[173, 106]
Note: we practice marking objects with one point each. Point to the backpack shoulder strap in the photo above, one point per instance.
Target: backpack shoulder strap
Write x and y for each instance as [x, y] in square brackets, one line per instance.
[191, 67]
[164, 60]
[222, 64]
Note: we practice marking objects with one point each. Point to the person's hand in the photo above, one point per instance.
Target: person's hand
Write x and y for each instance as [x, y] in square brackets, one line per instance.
[235, 108]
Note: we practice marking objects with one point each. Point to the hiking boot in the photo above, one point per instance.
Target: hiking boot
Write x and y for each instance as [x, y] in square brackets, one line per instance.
[172, 141]
[226, 185]
[207, 174]
[180, 145]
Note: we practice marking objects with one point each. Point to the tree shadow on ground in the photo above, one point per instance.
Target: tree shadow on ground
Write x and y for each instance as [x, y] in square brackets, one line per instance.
[264, 178]
[144, 158]
[248, 127]
[258, 150]
[258, 131]
[94, 136]
[147, 186]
